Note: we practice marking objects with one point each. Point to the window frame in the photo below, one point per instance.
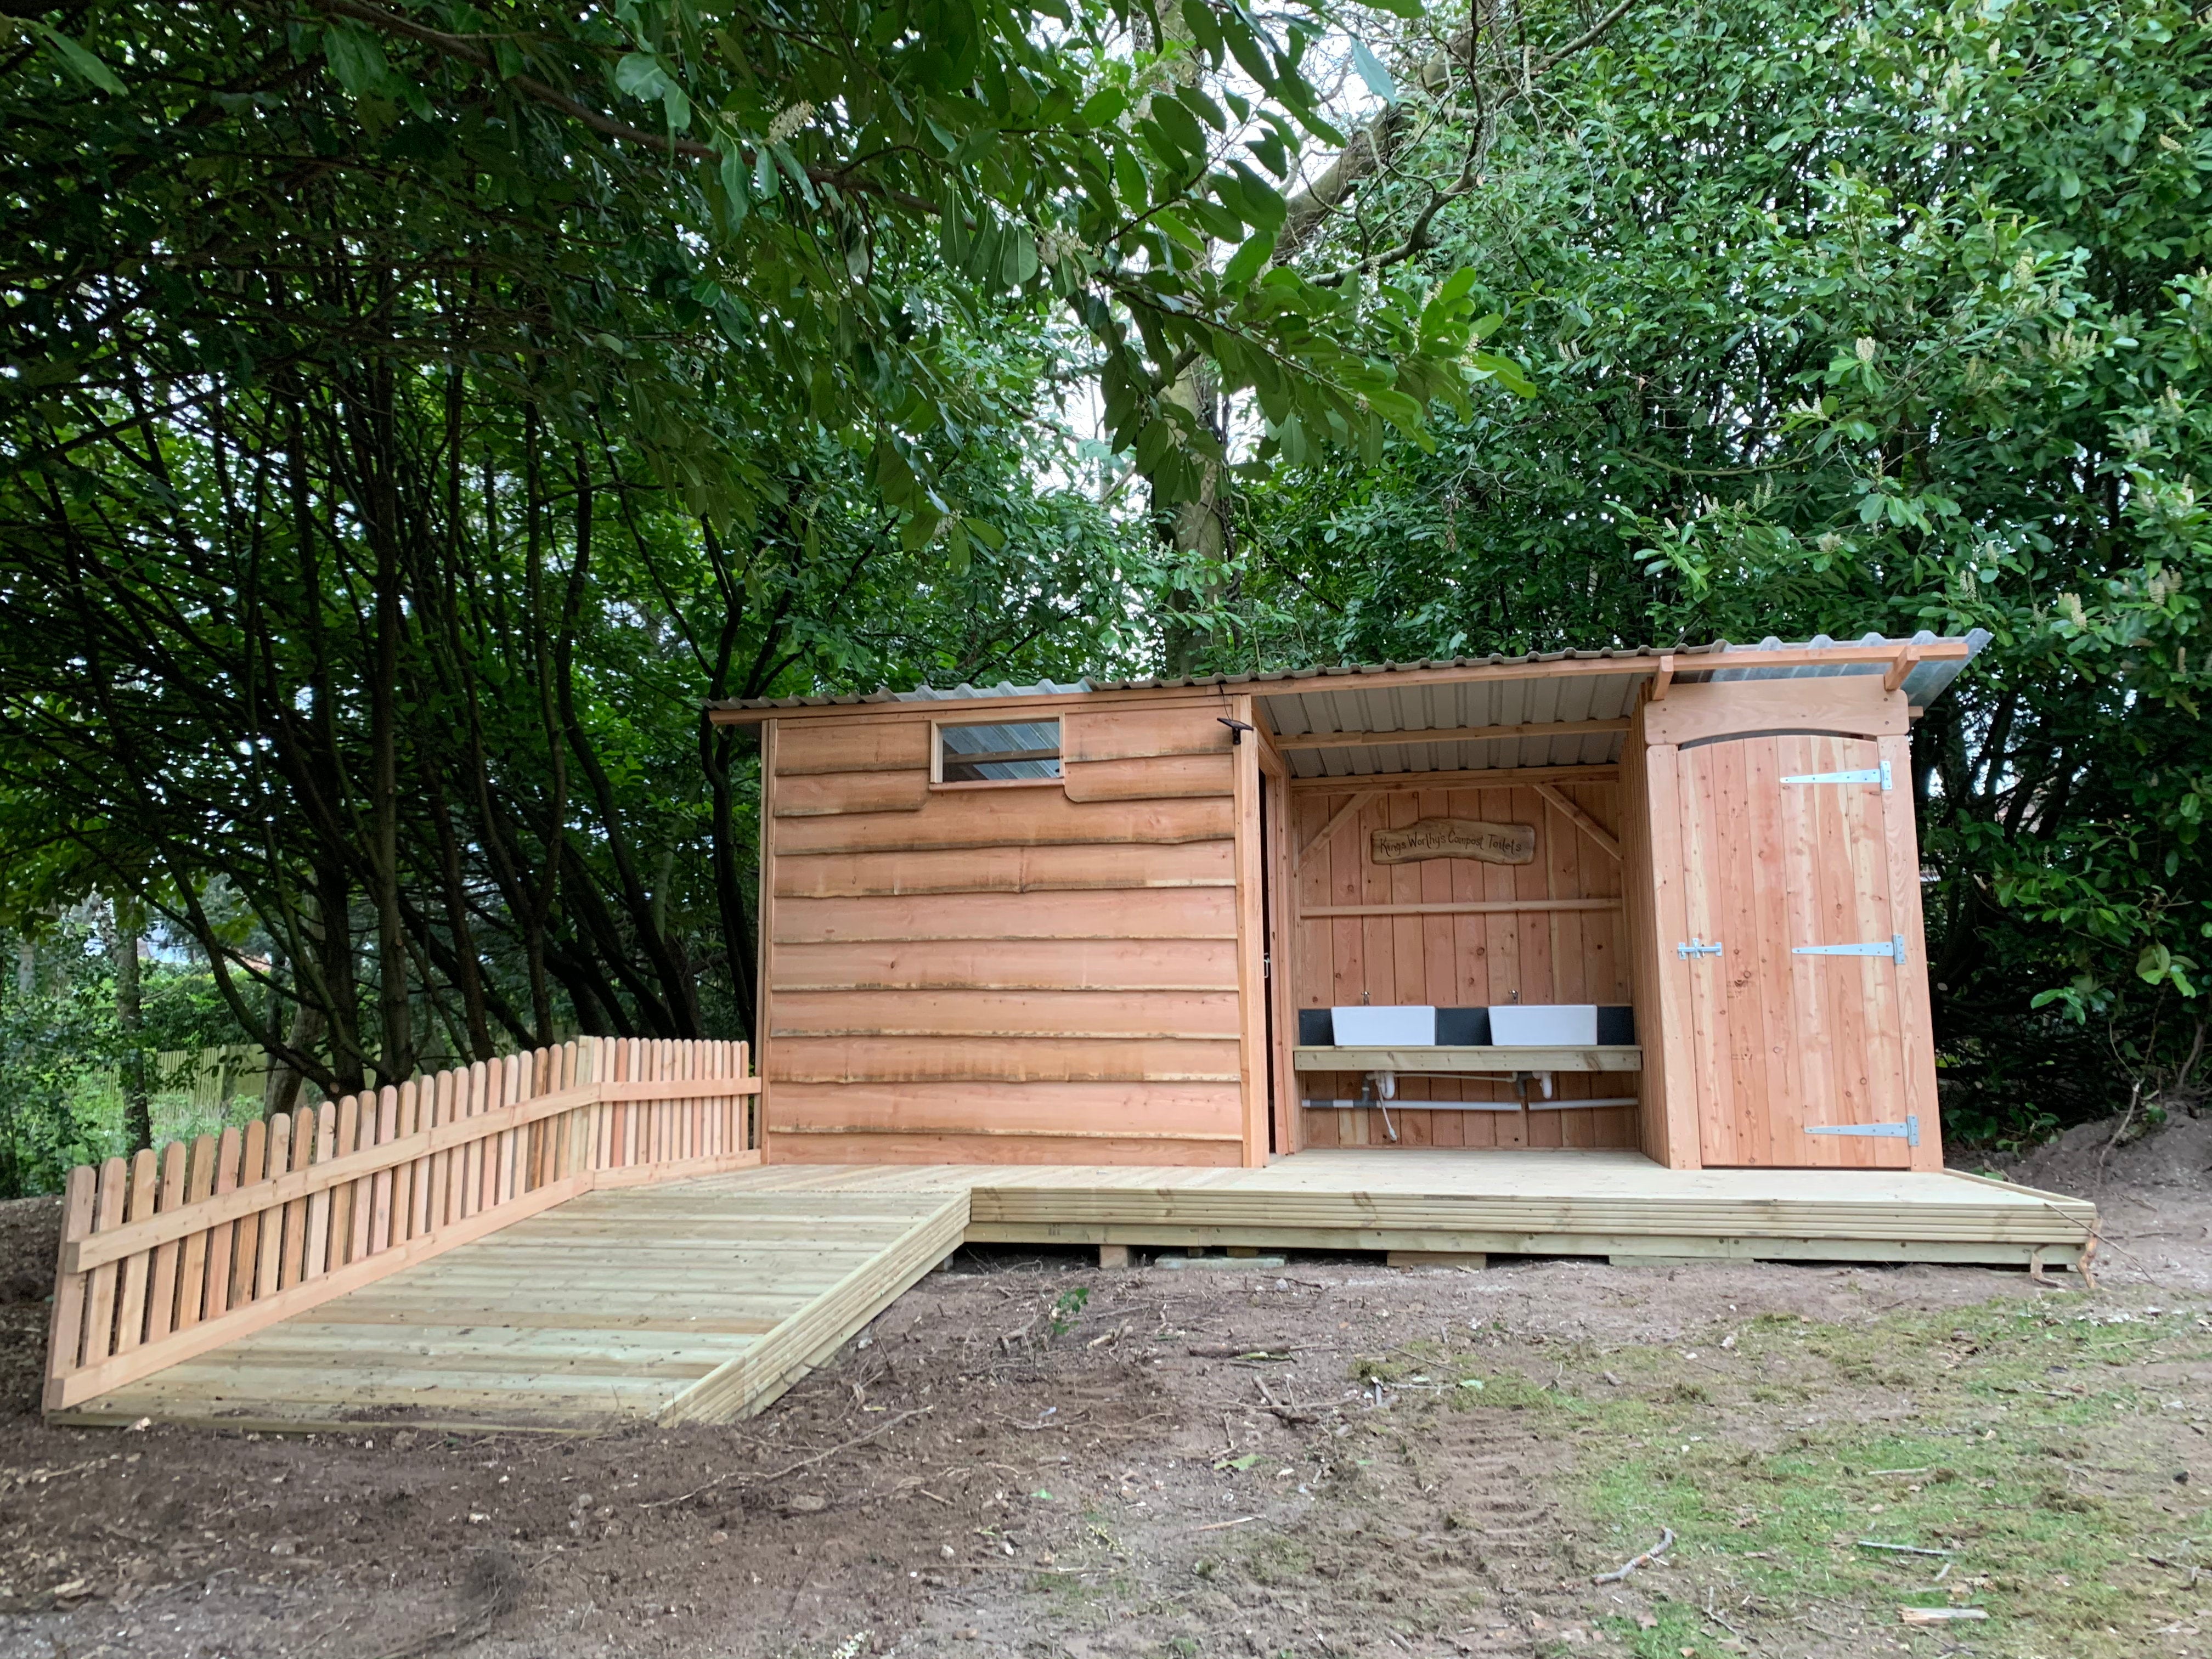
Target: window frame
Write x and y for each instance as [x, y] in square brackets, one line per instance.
[938, 782]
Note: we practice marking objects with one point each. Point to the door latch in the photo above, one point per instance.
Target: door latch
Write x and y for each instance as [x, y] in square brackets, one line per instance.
[1698, 947]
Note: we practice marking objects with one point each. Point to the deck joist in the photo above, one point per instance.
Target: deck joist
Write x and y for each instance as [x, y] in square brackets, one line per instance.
[704, 1300]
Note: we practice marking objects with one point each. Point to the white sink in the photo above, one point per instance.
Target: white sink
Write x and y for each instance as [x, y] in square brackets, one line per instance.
[1402, 1025]
[1544, 1025]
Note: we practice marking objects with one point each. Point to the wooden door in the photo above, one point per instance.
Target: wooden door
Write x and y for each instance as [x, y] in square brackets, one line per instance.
[1787, 843]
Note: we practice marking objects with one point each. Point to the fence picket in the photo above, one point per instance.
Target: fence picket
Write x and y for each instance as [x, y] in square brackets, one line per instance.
[162, 1297]
[269, 1254]
[294, 1261]
[229, 1151]
[191, 1258]
[99, 1300]
[317, 1261]
[245, 1242]
[65, 1332]
[131, 1292]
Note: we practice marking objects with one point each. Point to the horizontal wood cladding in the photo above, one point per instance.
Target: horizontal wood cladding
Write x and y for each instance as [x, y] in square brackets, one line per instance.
[1200, 912]
[1006, 1013]
[1007, 870]
[807, 747]
[1014, 965]
[1007, 817]
[1164, 778]
[1073, 1112]
[818, 1147]
[832, 794]
[1142, 733]
[1002, 1060]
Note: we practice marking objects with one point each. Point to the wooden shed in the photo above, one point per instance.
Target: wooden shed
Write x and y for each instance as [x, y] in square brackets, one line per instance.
[1665, 900]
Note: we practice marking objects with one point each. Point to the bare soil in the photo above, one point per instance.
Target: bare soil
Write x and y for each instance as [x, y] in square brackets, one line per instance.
[1024, 1455]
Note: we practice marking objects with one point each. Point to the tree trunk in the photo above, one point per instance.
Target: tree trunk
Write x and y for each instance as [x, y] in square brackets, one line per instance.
[126, 926]
[280, 1092]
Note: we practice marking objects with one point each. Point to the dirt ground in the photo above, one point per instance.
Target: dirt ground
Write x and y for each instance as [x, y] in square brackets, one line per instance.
[1026, 1454]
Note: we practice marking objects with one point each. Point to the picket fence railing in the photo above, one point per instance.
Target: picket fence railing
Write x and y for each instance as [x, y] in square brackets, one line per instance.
[171, 1253]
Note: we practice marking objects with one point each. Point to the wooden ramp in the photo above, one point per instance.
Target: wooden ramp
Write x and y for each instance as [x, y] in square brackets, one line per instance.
[686, 1302]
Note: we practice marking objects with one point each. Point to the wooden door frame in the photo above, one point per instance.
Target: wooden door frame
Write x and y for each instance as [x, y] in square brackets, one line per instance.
[1278, 938]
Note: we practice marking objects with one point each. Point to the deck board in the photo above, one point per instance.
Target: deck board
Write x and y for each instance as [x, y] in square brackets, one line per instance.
[703, 1300]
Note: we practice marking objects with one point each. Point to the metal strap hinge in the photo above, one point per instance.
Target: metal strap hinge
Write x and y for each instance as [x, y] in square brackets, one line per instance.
[1880, 775]
[1696, 947]
[1892, 947]
[1908, 1132]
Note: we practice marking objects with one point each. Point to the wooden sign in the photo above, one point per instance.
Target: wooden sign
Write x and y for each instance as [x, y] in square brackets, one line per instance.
[1455, 838]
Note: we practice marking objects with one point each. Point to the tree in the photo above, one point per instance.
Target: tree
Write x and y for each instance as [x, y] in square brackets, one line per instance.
[1883, 319]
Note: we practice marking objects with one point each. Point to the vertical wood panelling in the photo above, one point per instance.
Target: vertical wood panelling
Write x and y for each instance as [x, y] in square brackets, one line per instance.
[1537, 955]
[1784, 1042]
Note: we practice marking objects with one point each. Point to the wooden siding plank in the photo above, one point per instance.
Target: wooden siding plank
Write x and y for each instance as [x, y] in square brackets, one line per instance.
[834, 746]
[1140, 734]
[1171, 912]
[832, 794]
[1021, 818]
[1013, 1060]
[1069, 1013]
[1171, 777]
[1015, 966]
[1007, 870]
[1077, 1109]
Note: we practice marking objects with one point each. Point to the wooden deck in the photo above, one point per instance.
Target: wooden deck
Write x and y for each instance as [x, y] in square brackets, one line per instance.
[704, 1300]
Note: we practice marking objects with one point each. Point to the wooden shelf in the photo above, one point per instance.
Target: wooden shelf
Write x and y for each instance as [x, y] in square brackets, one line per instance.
[1622, 1057]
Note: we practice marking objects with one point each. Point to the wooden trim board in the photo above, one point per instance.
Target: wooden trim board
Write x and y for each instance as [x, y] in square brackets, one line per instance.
[1623, 1057]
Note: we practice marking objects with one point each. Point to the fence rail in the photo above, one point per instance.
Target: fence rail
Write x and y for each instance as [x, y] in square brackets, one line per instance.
[171, 1253]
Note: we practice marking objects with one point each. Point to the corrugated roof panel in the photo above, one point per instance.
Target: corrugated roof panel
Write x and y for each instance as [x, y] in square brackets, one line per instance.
[1418, 706]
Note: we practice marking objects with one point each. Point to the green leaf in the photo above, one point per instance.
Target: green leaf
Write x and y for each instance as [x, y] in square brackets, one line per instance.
[354, 57]
[1371, 71]
[1249, 260]
[79, 61]
[640, 75]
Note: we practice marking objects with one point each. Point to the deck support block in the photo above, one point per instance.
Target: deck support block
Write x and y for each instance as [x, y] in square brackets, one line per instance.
[1437, 1258]
[1113, 1255]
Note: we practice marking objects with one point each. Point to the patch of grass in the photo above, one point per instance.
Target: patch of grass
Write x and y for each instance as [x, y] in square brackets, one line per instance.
[2029, 1442]
[1278, 1558]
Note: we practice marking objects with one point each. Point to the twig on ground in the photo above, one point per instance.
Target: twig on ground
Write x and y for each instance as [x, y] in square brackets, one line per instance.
[789, 1468]
[1902, 1549]
[1665, 1542]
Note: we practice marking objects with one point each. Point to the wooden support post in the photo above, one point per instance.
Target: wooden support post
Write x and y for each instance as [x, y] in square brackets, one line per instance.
[1113, 1255]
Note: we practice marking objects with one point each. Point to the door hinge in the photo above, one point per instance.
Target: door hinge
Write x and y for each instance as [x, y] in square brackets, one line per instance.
[1698, 947]
[1266, 964]
[1908, 1132]
[1892, 947]
[1880, 775]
